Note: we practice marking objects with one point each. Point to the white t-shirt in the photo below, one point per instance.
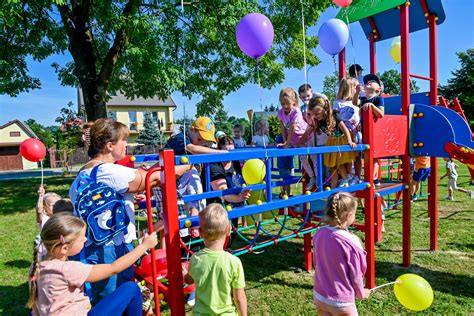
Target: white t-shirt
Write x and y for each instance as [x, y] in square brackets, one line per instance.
[239, 142]
[452, 167]
[117, 177]
[260, 140]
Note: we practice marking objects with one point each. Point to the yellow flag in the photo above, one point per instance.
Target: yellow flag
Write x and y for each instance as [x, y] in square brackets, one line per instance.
[250, 114]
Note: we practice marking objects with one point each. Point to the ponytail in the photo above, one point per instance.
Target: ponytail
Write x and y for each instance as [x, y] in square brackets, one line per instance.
[33, 275]
[339, 205]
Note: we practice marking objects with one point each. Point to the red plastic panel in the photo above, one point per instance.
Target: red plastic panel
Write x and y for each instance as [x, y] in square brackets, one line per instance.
[390, 136]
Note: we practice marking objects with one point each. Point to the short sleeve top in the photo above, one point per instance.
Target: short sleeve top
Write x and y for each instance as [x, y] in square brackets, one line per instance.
[178, 143]
[294, 117]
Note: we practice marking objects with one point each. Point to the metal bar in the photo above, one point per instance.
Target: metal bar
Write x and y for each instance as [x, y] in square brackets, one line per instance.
[342, 63]
[319, 159]
[268, 180]
[421, 77]
[373, 54]
[405, 96]
[207, 170]
[389, 190]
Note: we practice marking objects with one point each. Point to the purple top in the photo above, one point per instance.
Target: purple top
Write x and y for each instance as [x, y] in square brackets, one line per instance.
[340, 265]
[295, 117]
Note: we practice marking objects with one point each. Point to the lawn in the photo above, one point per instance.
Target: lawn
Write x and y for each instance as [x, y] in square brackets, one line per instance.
[275, 283]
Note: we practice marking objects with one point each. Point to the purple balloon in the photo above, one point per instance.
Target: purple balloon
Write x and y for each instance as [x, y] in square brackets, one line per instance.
[254, 34]
[333, 36]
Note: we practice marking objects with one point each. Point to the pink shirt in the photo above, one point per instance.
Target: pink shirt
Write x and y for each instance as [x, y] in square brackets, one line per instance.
[295, 117]
[61, 288]
[340, 265]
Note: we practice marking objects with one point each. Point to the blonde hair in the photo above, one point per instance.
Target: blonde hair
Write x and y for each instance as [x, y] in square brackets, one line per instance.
[50, 195]
[288, 94]
[214, 222]
[339, 205]
[60, 229]
[346, 88]
[103, 131]
[322, 104]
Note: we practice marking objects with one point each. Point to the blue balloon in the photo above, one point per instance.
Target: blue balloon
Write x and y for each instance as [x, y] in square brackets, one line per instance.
[333, 36]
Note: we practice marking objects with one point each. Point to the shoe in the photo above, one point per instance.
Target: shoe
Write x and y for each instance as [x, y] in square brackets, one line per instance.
[377, 183]
[415, 197]
[449, 198]
[470, 193]
[191, 299]
[311, 184]
[354, 180]
[343, 183]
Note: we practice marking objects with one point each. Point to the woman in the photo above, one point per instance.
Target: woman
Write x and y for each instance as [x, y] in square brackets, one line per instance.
[108, 142]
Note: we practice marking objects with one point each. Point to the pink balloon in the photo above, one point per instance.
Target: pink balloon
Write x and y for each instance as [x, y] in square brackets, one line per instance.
[342, 3]
[32, 149]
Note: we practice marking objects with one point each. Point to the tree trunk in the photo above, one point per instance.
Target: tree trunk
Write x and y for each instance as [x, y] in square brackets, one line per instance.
[94, 100]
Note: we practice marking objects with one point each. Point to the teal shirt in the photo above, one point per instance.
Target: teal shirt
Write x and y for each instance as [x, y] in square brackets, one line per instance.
[215, 274]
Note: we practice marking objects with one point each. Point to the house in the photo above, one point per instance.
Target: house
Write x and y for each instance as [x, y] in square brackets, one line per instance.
[132, 112]
[12, 134]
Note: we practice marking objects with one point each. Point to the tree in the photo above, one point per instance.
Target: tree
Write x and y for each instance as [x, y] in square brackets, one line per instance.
[149, 136]
[44, 134]
[272, 108]
[149, 48]
[222, 123]
[392, 80]
[331, 85]
[461, 85]
[69, 133]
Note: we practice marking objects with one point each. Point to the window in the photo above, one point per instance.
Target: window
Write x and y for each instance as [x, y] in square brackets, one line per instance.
[112, 115]
[14, 134]
[132, 120]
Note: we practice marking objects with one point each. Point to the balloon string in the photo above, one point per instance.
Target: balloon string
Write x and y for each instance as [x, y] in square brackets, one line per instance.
[352, 41]
[383, 285]
[42, 172]
[304, 44]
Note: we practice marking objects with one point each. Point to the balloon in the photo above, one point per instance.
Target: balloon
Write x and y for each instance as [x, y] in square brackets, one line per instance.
[396, 39]
[396, 51]
[342, 3]
[161, 264]
[32, 149]
[333, 36]
[253, 171]
[413, 292]
[254, 34]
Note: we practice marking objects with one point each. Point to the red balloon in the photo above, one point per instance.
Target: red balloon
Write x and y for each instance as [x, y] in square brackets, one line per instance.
[342, 3]
[32, 149]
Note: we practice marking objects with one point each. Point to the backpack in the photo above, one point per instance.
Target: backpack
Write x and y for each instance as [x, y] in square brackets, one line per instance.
[101, 207]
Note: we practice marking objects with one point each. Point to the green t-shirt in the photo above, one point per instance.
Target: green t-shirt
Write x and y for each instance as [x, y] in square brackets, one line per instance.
[215, 274]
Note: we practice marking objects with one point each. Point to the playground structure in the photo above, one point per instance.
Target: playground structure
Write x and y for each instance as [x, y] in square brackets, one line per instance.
[405, 130]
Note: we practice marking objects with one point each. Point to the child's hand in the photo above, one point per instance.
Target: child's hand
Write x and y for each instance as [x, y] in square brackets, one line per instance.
[366, 106]
[41, 190]
[359, 88]
[150, 241]
[281, 144]
[139, 197]
[245, 194]
[367, 293]
[352, 144]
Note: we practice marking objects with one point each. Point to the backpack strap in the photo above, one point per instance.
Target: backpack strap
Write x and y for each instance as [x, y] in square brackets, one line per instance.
[90, 179]
[94, 172]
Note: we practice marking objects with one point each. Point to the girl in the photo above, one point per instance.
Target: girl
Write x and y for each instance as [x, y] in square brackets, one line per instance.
[260, 138]
[45, 204]
[339, 260]
[293, 127]
[325, 121]
[57, 285]
[349, 114]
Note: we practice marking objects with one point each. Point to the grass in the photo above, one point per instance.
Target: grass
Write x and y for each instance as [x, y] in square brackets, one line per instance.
[275, 283]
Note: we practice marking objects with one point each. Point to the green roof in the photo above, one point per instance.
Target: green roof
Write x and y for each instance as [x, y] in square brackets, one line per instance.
[361, 9]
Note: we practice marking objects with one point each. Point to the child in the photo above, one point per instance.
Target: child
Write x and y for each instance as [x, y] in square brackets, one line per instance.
[339, 260]
[355, 71]
[218, 275]
[293, 127]
[323, 120]
[45, 204]
[239, 136]
[63, 205]
[349, 114]
[420, 173]
[372, 99]
[57, 285]
[260, 139]
[305, 92]
[453, 176]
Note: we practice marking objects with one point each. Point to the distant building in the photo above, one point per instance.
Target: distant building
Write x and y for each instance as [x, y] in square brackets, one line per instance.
[132, 112]
[258, 115]
[12, 134]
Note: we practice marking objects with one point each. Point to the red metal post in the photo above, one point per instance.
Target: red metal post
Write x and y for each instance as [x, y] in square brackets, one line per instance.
[378, 219]
[405, 96]
[433, 179]
[307, 247]
[369, 201]
[172, 238]
[342, 63]
[373, 57]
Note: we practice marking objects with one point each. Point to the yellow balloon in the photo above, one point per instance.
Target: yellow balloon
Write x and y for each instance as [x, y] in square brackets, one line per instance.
[396, 52]
[413, 292]
[253, 171]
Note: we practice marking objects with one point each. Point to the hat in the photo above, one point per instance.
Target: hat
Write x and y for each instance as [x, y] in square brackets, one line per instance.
[353, 69]
[205, 127]
[372, 77]
[220, 134]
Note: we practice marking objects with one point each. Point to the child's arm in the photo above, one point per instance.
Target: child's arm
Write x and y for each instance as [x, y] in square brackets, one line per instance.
[346, 133]
[198, 149]
[355, 97]
[103, 271]
[304, 138]
[240, 300]
[221, 184]
[448, 172]
[39, 205]
[283, 134]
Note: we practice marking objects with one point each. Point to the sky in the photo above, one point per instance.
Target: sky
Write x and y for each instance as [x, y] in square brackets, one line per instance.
[456, 34]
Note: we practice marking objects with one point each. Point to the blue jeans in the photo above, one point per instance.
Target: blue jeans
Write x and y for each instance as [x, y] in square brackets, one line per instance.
[108, 254]
[126, 300]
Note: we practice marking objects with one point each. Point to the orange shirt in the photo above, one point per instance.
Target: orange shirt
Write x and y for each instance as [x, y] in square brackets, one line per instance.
[422, 162]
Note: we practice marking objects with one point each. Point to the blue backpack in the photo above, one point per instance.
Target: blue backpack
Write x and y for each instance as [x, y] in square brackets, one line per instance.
[101, 207]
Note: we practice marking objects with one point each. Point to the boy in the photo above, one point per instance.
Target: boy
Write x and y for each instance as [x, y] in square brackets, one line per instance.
[453, 176]
[218, 274]
[421, 173]
[200, 133]
[355, 71]
[306, 93]
[239, 140]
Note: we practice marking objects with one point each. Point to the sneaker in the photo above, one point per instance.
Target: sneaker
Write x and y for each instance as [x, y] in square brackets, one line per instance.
[470, 193]
[449, 198]
[354, 180]
[377, 183]
[415, 197]
[311, 184]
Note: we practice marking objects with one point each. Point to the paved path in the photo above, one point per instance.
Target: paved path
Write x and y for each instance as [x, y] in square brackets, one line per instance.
[25, 174]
